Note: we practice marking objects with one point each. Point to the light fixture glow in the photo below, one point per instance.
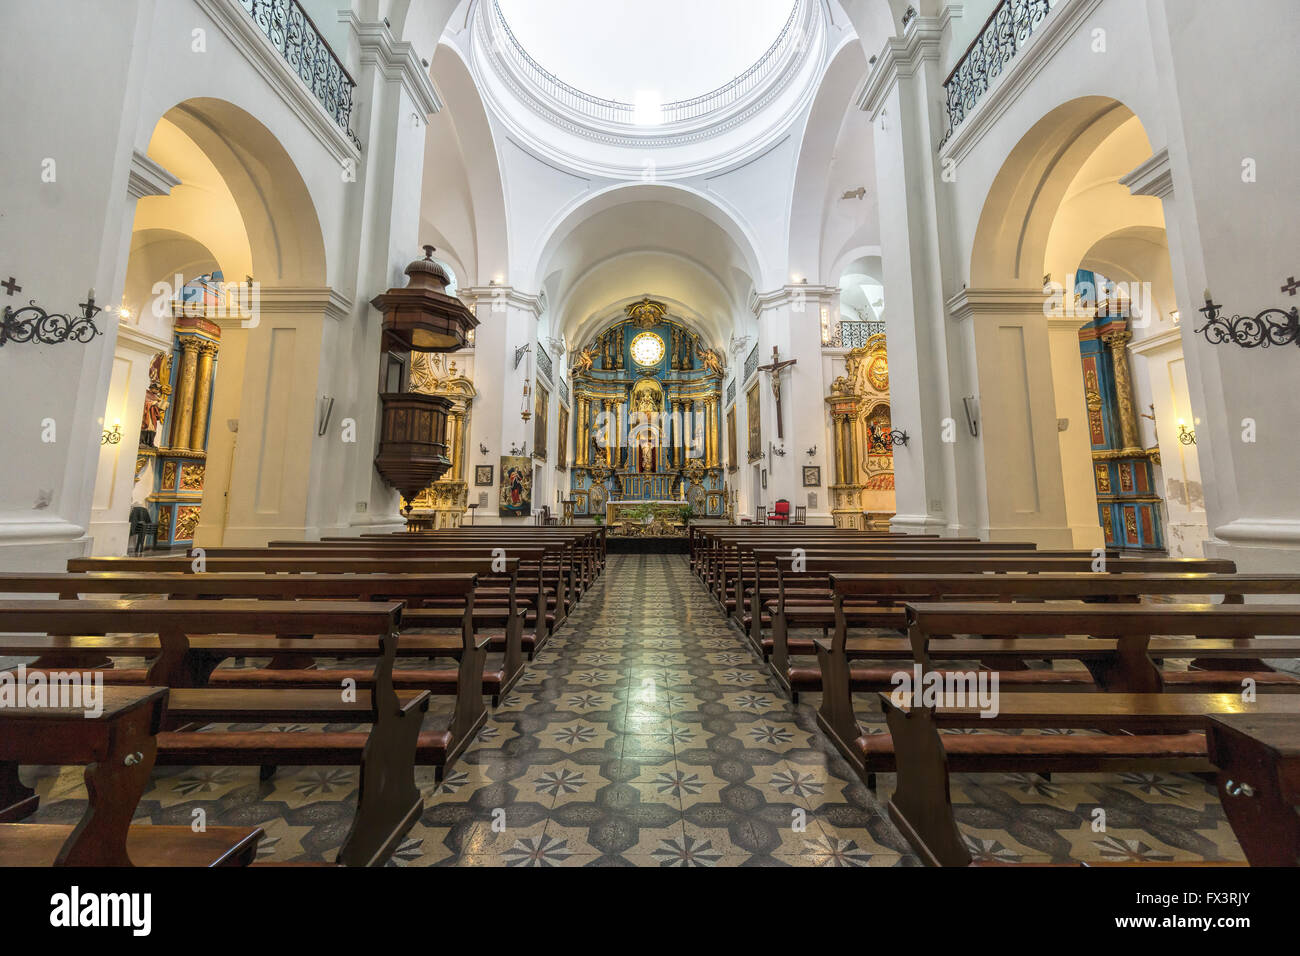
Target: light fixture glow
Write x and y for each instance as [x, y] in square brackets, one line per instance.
[647, 108]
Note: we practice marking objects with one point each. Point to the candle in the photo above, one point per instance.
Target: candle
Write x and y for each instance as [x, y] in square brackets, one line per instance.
[90, 296]
[1207, 296]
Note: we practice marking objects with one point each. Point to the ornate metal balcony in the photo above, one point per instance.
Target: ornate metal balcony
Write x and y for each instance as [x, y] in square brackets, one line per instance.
[291, 31]
[850, 334]
[1006, 30]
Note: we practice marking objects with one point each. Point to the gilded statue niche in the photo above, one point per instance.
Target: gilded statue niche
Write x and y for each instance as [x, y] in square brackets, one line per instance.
[859, 402]
[443, 503]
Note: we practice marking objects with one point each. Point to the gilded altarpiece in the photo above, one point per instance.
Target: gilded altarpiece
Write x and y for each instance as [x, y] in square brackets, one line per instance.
[862, 486]
[443, 504]
[176, 416]
[647, 419]
[1128, 508]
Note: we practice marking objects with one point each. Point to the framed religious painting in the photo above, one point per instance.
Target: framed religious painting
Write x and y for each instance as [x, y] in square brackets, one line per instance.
[732, 463]
[755, 426]
[812, 476]
[482, 475]
[562, 440]
[516, 495]
[540, 422]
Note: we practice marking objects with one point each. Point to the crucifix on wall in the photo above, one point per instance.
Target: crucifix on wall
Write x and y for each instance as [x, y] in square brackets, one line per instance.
[774, 368]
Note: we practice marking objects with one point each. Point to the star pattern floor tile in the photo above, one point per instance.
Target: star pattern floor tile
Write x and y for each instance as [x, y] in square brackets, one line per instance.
[647, 734]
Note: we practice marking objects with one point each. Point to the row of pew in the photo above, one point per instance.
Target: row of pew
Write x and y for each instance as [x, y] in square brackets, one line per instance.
[355, 632]
[1083, 646]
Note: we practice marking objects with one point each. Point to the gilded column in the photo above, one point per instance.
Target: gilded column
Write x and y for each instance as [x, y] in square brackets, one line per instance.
[580, 435]
[453, 445]
[837, 435]
[203, 394]
[1117, 342]
[185, 393]
[609, 432]
[714, 432]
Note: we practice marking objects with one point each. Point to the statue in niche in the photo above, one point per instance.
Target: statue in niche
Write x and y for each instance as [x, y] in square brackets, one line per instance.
[712, 360]
[586, 360]
[618, 349]
[606, 345]
[645, 408]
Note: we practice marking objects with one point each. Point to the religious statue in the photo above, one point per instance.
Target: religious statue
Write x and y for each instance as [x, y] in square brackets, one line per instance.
[155, 402]
[586, 359]
[618, 348]
[647, 451]
[774, 368]
[607, 346]
[712, 360]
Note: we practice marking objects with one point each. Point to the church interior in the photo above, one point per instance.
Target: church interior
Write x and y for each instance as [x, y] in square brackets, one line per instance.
[754, 433]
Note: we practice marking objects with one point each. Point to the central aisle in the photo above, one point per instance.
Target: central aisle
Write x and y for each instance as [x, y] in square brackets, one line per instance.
[646, 733]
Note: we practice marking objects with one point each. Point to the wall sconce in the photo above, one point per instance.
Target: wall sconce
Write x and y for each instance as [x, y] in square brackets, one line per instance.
[972, 419]
[1250, 331]
[111, 437]
[879, 438]
[31, 323]
[482, 448]
[1186, 436]
[812, 452]
[518, 451]
[779, 452]
[326, 410]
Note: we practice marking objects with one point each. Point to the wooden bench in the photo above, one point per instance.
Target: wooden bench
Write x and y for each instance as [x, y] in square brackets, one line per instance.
[1142, 732]
[190, 637]
[1117, 643]
[875, 601]
[117, 746]
[1258, 759]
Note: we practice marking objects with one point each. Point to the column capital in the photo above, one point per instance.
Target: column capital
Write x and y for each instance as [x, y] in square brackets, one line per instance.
[502, 297]
[393, 59]
[792, 294]
[969, 303]
[901, 57]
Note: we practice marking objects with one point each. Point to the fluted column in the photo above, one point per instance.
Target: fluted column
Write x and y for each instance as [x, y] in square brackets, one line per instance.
[579, 433]
[453, 444]
[711, 406]
[202, 394]
[1117, 342]
[185, 393]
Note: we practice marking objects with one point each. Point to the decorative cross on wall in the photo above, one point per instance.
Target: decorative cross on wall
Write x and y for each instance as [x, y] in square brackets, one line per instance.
[11, 286]
[1290, 287]
[774, 368]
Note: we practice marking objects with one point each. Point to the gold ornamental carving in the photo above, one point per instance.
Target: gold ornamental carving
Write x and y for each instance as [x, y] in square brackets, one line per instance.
[647, 313]
[192, 477]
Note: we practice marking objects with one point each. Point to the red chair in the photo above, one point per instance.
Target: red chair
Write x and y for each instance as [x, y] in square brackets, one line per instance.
[781, 513]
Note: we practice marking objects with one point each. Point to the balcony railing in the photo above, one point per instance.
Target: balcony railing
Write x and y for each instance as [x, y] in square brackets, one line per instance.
[616, 111]
[1007, 29]
[850, 334]
[291, 31]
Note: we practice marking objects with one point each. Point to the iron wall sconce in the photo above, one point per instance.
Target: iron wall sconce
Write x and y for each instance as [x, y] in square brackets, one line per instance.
[31, 323]
[1250, 331]
[1186, 436]
[111, 437]
[482, 448]
[883, 439]
[812, 452]
[779, 452]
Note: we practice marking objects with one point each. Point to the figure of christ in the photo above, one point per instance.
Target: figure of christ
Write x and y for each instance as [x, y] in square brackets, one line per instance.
[647, 452]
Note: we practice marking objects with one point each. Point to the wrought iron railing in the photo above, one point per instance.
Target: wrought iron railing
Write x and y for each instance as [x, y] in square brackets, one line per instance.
[616, 111]
[849, 334]
[1006, 30]
[291, 31]
[731, 392]
[544, 363]
[751, 363]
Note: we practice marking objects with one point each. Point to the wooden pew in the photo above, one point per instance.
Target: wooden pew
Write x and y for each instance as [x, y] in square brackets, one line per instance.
[117, 746]
[810, 604]
[191, 637]
[1258, 759]
[875, 601]
[1146, 732]
[1149, 727]
[413, 589]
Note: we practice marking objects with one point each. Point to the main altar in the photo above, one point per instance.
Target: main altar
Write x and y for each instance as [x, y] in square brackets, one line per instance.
[648, 424]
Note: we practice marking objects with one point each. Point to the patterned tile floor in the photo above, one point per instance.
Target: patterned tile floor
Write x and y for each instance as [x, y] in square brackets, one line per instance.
[646, 734]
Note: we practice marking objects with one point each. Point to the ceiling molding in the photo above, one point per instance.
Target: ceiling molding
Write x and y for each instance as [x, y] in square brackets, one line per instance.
[148, 178]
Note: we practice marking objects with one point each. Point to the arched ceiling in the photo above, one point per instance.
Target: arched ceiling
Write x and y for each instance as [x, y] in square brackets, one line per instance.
[646, 240]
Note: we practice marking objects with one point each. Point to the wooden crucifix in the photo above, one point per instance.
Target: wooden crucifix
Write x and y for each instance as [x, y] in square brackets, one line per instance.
[774, 368]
